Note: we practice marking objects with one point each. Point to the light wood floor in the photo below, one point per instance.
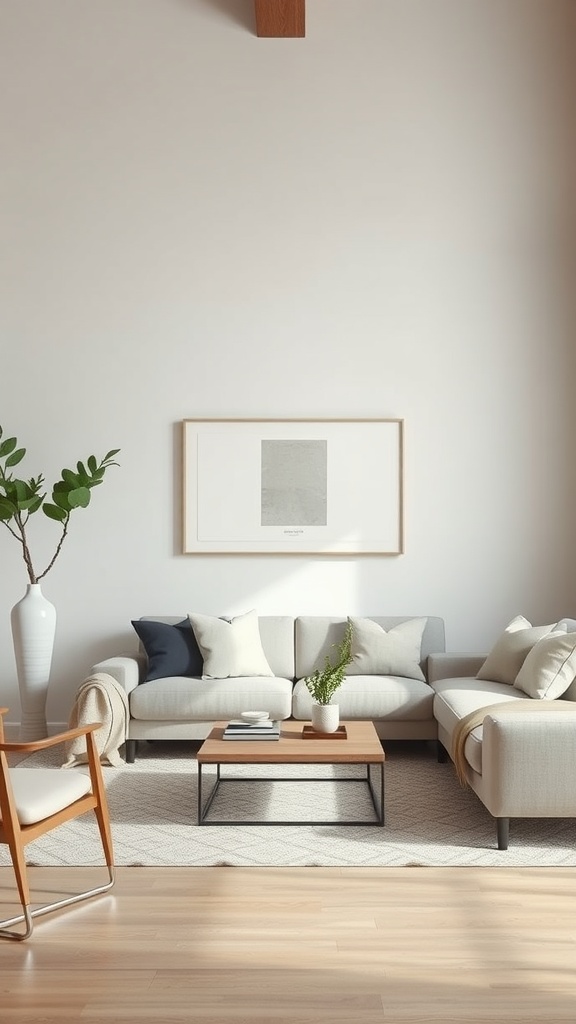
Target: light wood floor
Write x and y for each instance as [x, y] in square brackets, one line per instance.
[299, 946]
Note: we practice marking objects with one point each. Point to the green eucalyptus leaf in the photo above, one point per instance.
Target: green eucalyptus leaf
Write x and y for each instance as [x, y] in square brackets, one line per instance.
[111, 454]
[36, 504]
[26, 504]
[92, 463]
[7, 509]
[10, 490]
[84, 476]
[80, 498]
[7, 446]
[53, 512]
[70, 478]
[16, 457]
[60, 498]
[20, 490]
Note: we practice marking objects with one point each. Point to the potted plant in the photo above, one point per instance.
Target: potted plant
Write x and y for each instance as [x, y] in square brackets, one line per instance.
[323, 684]
[33, 619]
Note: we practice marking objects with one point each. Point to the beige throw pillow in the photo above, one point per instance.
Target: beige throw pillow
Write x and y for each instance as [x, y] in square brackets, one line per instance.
[507, 656]
[549, 667]
[380, 652]
[230, 648]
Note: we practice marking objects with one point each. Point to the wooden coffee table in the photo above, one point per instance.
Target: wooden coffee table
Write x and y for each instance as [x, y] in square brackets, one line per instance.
[361, 747]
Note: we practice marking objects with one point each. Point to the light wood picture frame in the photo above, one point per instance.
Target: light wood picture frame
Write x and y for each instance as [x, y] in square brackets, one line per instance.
[293, 486]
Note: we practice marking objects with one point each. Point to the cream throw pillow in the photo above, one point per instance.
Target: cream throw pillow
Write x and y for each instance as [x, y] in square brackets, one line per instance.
[507, 656]
[549, 667]
[230, 648]
[380, 652]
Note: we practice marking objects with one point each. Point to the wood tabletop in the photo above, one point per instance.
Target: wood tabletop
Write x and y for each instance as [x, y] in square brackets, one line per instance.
[362, 746]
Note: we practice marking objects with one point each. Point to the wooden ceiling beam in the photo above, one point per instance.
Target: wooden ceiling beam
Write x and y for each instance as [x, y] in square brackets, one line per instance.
[280, 18]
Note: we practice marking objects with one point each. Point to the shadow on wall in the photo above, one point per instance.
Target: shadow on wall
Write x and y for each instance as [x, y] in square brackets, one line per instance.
[239, 11]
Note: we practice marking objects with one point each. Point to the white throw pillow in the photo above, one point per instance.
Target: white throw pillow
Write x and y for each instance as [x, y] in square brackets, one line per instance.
[549, 667]
[380, 652]
[230, 647]
[507, 656]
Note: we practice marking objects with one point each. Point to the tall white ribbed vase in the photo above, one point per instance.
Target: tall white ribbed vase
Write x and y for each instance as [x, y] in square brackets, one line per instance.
[33, 622]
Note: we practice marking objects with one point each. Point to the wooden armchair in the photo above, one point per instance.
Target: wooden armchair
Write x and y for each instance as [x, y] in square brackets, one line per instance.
[36, 800]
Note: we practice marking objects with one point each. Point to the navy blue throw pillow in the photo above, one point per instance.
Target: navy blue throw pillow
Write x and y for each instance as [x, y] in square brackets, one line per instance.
[171, 650]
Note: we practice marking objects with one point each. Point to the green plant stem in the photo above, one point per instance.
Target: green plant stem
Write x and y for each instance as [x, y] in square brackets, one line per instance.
[57, 552]
[20, 536]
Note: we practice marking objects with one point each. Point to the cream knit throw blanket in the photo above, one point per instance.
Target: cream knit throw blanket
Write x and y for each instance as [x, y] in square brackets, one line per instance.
[513, 707]
[99, 699]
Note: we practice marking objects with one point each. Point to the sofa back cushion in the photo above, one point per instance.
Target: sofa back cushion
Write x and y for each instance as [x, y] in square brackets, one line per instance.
[316, 635]
[276, 634]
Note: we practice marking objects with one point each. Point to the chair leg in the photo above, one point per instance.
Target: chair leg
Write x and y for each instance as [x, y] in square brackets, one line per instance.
[29, 915]
[19, 865]
[99, 791]
[502, 832]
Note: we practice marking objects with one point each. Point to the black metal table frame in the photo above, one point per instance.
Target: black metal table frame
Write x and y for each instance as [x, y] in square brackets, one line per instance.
[377, 798]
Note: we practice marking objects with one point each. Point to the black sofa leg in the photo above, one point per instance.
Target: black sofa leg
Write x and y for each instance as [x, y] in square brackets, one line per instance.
[502, 832]
[441, 754]
[130, 751]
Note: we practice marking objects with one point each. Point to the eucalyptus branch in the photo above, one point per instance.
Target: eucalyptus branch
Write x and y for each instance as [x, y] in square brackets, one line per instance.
[20, 499]
[56, 553]
[13, 532]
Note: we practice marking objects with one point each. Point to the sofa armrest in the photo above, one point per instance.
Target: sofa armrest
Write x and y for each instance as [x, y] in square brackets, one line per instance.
[453, 665]
[529, 764]
[127, 671]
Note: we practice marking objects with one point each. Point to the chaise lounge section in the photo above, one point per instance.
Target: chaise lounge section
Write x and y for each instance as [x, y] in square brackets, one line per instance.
[520, 761]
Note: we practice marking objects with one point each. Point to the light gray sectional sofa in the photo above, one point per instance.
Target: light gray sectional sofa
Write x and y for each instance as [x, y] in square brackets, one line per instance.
[518, 765]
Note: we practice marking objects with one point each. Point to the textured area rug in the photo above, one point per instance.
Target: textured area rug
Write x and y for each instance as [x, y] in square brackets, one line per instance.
[430, 818]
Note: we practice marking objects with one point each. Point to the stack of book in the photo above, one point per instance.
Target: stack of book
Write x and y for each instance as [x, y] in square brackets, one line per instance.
[239, 730]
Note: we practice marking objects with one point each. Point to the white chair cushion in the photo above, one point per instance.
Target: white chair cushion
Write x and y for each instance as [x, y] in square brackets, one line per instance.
[40, 792]
[379, 652]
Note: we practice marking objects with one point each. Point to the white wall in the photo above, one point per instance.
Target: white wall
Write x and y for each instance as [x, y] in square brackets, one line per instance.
[377, 220]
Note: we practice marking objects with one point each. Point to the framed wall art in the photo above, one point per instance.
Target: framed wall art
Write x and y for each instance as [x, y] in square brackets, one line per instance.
[293, 486]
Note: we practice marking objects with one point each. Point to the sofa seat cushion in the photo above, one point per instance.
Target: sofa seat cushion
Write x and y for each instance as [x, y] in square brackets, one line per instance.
[179, 698]
[456, 698]
[373, 697]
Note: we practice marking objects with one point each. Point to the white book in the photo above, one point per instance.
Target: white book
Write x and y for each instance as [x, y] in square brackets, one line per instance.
[252, 732]
[237, 723]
